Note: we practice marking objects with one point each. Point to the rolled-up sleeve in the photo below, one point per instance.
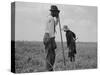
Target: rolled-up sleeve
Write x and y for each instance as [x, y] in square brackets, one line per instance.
[46, 25]
[56, 21]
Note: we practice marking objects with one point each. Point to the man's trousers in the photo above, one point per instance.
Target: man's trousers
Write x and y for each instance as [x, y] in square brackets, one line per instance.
[50, 47]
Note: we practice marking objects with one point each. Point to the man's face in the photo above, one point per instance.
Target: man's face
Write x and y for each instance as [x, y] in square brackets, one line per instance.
[64, 30]
[54, 13]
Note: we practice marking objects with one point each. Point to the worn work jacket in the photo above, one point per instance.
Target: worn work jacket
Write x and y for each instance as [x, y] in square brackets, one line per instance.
[50, 26]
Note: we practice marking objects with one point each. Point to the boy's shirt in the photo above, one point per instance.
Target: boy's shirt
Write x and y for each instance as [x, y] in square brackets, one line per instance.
[70, 37]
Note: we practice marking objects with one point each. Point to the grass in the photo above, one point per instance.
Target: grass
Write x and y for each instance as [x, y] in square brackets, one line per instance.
[30, 57]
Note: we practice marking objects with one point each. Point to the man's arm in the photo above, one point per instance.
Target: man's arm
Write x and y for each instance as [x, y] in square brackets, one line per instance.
[48, 19]
[57, 20]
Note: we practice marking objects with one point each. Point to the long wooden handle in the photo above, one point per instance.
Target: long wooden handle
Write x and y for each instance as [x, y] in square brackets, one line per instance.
[62, 43]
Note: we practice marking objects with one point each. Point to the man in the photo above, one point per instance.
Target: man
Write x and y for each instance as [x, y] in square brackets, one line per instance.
[70, 37]
[49, 37]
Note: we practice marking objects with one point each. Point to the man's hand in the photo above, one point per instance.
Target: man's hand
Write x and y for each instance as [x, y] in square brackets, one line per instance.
[57, 15]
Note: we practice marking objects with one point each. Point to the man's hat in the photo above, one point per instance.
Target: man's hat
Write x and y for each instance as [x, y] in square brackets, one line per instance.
[54, 8]
[65, 28]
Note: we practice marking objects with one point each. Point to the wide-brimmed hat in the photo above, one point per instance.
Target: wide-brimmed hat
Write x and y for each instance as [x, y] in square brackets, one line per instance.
[65, 28]
[54, 8]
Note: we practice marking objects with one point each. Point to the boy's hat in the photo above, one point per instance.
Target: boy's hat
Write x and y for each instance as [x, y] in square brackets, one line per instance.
[65, 28]
[54, 8]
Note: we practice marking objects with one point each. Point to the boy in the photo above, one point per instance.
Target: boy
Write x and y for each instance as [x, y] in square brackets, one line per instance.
[70, 37]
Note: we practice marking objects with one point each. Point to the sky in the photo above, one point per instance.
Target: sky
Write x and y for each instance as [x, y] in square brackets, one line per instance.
[30, 21]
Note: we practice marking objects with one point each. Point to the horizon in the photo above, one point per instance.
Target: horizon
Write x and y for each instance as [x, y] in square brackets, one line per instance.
[56, 41]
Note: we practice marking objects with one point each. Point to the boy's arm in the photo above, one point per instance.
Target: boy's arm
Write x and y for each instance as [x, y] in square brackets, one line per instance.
[74, 35]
